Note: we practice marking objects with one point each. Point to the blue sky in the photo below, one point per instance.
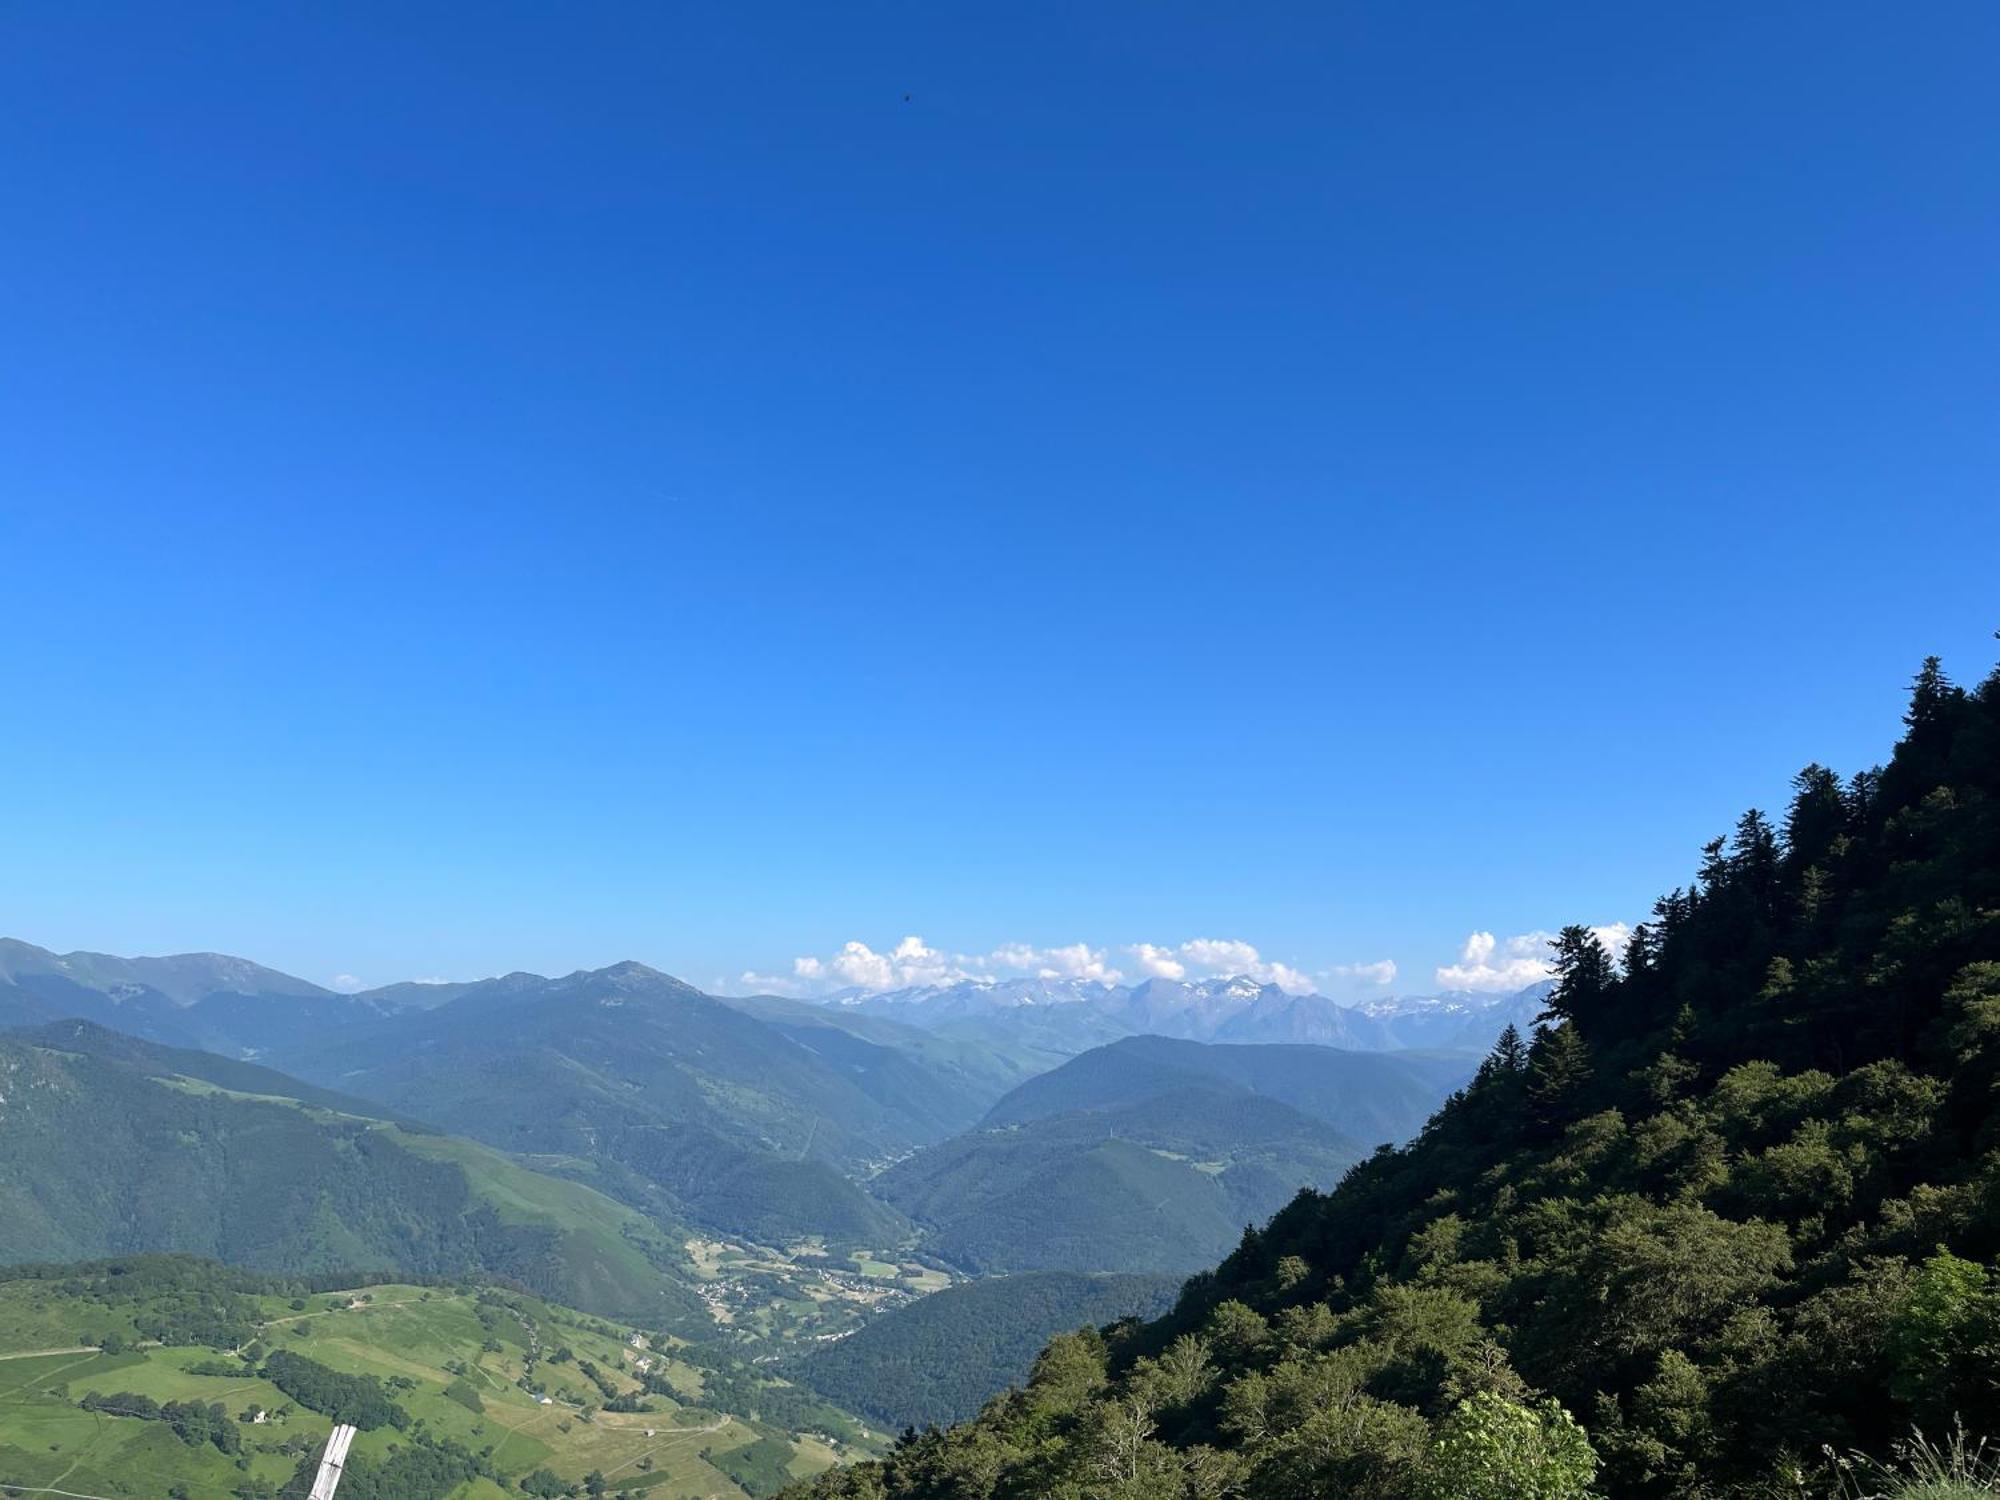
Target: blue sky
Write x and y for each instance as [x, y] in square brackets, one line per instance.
[530, 486]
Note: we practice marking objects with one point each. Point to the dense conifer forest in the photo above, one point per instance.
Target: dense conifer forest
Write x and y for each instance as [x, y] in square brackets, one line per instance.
[1728, 1215]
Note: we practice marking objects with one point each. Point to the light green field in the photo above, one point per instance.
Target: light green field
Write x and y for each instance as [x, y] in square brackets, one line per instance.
[404, 1334]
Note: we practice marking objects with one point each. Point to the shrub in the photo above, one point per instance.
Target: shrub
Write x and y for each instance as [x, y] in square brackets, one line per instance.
[1491, 1448]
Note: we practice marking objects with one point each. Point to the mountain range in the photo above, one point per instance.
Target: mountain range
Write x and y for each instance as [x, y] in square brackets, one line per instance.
[1004, 1028]
[1067, 1016]
[766, 1117]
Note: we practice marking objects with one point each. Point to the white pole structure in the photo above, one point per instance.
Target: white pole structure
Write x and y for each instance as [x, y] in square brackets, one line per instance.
[330, 1463]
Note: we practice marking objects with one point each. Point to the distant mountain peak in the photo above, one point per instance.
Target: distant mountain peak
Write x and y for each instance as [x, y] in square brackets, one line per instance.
[630, 968]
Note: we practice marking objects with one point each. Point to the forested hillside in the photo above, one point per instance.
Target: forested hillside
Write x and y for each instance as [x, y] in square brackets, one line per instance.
[1737, 1202]
[116, 1146]
[941, 1358]
[1161, 1183]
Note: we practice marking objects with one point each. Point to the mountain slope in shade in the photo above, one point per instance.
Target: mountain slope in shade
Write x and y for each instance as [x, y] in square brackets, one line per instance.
[942, 1357]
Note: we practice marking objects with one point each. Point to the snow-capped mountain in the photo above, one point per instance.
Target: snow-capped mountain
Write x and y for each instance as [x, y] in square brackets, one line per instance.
[1071, 1015]
[1457, 1018]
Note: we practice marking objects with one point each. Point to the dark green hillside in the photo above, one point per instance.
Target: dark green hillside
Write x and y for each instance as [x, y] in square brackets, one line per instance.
[1365, 1096]
[944, 1356]
[1164, 1183]
[109, 1145]
[1738, 1203]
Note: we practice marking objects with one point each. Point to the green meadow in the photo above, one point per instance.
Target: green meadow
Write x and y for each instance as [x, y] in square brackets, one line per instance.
[518, 1381]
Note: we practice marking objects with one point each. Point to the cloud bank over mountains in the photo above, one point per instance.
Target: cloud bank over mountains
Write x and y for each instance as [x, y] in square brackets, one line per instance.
[1485, 963]
[914, 962]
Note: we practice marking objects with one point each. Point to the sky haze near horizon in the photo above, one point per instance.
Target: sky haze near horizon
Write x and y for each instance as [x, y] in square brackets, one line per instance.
[626, 481]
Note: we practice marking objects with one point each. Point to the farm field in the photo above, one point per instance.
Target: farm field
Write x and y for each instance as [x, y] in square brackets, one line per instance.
[768, 1301]
[477, 1375]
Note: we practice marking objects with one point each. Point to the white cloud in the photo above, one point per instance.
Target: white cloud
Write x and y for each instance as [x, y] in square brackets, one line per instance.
[910, 962]
[1072, 961]
[1486, 963]
[347, 984]
[1489, 963]
[1224, 955]
[1157, 962]
[914, 962]
[1382, 971]
[1614, 936]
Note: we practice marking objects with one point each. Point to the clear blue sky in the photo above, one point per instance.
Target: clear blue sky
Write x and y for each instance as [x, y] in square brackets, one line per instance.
[530, 485]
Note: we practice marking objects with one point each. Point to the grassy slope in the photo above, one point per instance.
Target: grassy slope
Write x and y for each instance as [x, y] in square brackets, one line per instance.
[46, 1440]
[614, 1257]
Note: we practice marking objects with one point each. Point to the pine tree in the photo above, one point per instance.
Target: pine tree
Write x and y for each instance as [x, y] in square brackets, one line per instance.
[1753, 856]
[1923, 760]
[1584, 977]
[1639, 951]
[1933, 698]
[1817, 817]
[1558, 1071]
